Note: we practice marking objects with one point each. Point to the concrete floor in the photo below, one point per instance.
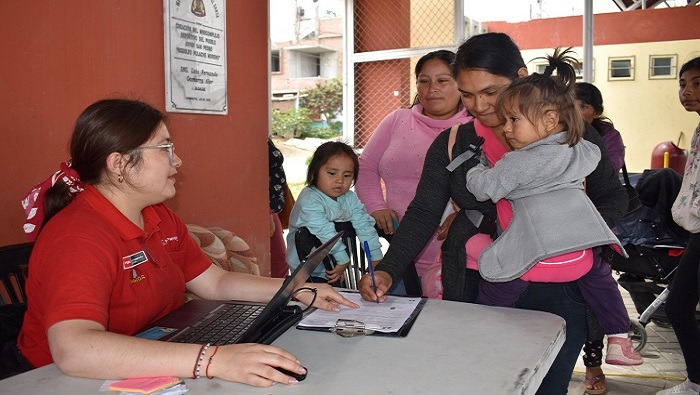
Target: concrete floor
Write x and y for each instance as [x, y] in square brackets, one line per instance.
[663, 365]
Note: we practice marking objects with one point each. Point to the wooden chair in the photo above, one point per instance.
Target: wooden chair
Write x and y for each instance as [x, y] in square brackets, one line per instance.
[14, 262]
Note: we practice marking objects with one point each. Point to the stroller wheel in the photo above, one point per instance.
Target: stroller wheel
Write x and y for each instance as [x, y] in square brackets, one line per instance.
[638, 334]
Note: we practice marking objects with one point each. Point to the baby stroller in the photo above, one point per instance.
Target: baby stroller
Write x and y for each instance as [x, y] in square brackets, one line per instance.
[655, 244]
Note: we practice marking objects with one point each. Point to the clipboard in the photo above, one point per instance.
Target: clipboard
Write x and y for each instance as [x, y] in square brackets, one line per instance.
[351, 328]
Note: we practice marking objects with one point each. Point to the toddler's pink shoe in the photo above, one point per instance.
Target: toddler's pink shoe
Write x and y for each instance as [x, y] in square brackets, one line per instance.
[621, 352]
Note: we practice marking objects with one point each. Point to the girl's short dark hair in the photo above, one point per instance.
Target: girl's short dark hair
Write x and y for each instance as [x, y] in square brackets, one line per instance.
[590, 94]
[326, 151]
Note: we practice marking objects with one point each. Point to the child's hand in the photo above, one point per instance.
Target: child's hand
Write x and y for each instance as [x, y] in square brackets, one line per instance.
[337, 274]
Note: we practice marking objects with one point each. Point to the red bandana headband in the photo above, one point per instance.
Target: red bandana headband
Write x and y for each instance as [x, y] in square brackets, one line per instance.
[33, 204]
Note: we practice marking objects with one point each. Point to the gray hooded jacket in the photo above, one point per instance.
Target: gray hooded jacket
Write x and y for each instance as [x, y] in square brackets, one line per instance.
[551, 213]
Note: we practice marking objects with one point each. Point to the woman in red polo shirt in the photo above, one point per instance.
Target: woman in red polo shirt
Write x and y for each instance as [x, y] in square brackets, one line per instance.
[111, 258]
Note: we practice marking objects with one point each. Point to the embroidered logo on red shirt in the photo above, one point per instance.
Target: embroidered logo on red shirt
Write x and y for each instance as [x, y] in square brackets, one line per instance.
[137, 277]
[169, 239]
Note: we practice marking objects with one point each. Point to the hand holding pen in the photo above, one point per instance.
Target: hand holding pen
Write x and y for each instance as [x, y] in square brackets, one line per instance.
[382, 281]
[371, 269]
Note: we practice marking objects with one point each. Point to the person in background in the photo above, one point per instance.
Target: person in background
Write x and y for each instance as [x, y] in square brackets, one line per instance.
[120, 259]
[327, 199]
[685, 288]
[484, 66]
[392, 161]
[278, 184]
[590, 104]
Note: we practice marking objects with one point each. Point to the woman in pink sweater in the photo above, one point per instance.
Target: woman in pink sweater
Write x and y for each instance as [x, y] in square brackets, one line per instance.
[392, 161]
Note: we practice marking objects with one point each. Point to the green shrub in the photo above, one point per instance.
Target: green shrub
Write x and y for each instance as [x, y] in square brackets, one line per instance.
[293, 123]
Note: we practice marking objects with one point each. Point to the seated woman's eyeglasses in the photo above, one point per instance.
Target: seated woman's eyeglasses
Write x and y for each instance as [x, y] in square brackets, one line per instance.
[168, 147]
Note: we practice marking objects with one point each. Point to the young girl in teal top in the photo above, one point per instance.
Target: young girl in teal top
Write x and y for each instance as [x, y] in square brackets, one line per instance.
[327, 199]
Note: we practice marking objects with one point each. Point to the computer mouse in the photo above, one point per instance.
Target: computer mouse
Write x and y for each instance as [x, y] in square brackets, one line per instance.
[299, 377]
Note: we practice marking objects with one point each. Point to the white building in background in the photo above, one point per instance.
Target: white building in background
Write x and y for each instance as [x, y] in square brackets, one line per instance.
[306, 47]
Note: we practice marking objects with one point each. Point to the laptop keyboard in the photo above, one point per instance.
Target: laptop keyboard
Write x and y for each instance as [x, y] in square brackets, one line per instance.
[226, 328]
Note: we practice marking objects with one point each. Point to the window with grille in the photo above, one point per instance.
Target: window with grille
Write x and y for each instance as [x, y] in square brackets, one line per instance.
[621, 68]
[662, 66]
[388, 38]
[275, 61]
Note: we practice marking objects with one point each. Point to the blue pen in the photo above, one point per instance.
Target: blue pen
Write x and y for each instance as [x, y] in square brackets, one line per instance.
[371, 269]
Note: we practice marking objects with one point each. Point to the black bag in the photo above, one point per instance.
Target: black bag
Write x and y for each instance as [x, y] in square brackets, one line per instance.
[644, 228]
[634, 202]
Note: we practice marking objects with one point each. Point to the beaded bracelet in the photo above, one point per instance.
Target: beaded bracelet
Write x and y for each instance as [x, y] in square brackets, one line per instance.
[206, 371]
[198, 364]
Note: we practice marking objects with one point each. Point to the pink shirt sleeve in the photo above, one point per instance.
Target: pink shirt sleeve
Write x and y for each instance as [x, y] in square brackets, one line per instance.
[368, 186]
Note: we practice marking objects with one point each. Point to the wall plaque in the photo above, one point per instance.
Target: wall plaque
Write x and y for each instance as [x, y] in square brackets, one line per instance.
[195, 56]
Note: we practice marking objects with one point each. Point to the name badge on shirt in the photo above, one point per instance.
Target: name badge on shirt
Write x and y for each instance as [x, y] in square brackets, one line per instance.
[131, 261]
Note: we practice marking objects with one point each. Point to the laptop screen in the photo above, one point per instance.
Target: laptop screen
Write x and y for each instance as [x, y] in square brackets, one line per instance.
[301, 274]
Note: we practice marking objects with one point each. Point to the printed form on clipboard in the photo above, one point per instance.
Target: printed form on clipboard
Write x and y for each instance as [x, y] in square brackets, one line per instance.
[393, 317]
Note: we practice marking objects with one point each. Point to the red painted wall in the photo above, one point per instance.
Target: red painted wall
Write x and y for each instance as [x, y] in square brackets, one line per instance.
[371, 32]
[60, 56]
[651, 25]
[376, 81]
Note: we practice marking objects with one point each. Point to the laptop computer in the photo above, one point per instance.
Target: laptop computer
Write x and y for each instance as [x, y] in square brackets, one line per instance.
[228, 322]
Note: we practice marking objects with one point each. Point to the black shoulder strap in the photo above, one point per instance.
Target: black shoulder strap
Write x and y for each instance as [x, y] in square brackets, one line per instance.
[464, 156]
[624, 175]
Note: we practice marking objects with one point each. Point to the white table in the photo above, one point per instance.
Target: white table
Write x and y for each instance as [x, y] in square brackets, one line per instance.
[452, 348]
